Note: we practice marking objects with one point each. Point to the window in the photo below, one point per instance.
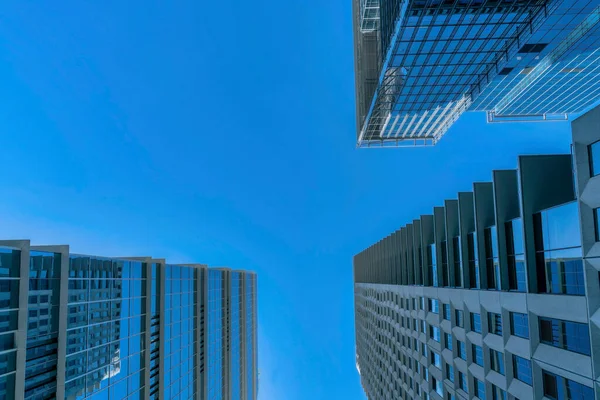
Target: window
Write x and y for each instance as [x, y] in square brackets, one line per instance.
[519, 325]
[473, 260]
[448, 341]
[559, 266]
[594, 154]
[462, 382]
[436, 360]
[450, 396]
[497, 361]
[445, 271]
[450, 372]
[479, 388]
[423, 349]
[434, 333]
[437, 385]
[477, 354]
[459, 318]
[476, 322]
[566, 335]
[434, 306]
[522, 369]
[491, 258]
[495, 323]
[462, 349]
[597, 223]
[457, 270]
[432, 270]
[422, 303]
[515, 249]
[423, 326]
[555, 387]
[498, 394]
[446, 311]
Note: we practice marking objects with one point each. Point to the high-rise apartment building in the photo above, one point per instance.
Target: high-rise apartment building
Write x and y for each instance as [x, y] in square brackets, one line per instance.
[420, 64]
[84, 327]
[496, 294]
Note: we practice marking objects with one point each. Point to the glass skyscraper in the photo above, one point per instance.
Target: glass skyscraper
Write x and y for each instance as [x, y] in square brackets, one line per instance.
[420, 64]
[494, 295]
[83, 327]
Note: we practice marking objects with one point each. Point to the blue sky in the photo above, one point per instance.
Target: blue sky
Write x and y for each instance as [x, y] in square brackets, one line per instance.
[223, 132]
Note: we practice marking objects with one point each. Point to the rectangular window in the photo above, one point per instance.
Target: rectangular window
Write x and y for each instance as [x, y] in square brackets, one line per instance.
[457, 270]
[473, 260]
[495, 323]
[594, 155]
[447, 311]
[422, 302]
[437, 385]
[476, 322]
[450, 372]
[491, 258]
[479, 388]
[434, 306]
[522, 369]
[445, 269]
[434, 333]
[448, 341]
[462, 349]
[498, 394]
[519, 325]
[559, 266]
[497, 361]
[432, 270]
[597, 223]
[462, 382]
[566, 335]
[515, 249]
[557, 387]
[477, 354]
[436, 360]
[459, 318]
[423, 349]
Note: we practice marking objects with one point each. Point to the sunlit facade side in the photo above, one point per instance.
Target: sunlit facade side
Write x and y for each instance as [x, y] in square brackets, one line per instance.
[494, 295]
[421, 64]
[85, 327]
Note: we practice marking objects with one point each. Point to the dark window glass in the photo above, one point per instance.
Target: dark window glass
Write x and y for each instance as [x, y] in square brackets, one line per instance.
[477, 354]
[594, 154]
[498, 394]
[462, 382]
[473, 260]
[597, 223]
[495, 323]
[450, 372]
[476, 322]
[479, 388]
[516, 255]
[497, 361]
[522, 369]
[558, 387]
[519, 325]
[432, 270]
[434, 306]
[447, 311]
[445, 269]
[459, 318]
[491, 258]
[457, 270]
[462, 349]
[567, 335]
[448, 340]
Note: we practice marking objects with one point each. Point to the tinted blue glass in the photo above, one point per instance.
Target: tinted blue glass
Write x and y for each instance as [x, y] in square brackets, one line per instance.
[250, 364]
[522, 369]
[567, 335]
[433, 260]
[478, 355]
[434, 306]
[519, 325]
[447, 311]
[476, 322]
[215, 329]
[434, 333]
[497, 361]
[560, 227]
[495, 323]
[236, 332]
[459, 318]
[479, 389]
[462, 349]
[597, 223]
[448, 341]
[462, 382]
[450, 372]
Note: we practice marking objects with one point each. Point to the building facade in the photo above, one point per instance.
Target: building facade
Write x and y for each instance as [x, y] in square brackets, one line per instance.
[420, 64]
[84, 327]
[496, 294]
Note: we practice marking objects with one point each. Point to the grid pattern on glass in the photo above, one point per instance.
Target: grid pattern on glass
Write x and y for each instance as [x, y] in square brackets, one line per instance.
[462, 382]
[180, 332]
[519, 325]
[559, 264]
[479, 388]
[10, 263]
[522, 369]
[477, 354]
[216, 322]
[450, 372]
[566, 335]
[495, 323]
[42, 324]
[250, 283]
[236, 335]
[515, 249]
[558, 387]
[105, 328]
[462, 349]
[437, 60]
[476, 322]
[155, 293]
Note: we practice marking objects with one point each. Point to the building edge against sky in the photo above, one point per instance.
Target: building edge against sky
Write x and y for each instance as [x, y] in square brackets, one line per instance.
[420, 64]
[496, 294]
[77, 327]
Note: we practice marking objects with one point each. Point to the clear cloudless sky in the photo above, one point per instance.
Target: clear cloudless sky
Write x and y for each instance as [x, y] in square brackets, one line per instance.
[223, 132]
